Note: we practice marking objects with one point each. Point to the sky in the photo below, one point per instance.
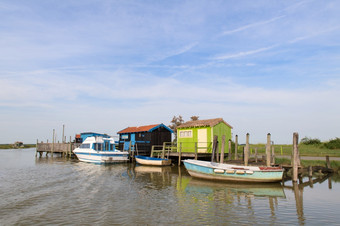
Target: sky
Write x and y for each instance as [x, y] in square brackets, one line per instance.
[104, 65]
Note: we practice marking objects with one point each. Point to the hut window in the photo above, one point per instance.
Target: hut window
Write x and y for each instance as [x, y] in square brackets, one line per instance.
[185, 133]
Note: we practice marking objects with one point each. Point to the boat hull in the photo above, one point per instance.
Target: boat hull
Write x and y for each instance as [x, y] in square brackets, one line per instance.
[102, 157]
[228, 172]
[150, 161]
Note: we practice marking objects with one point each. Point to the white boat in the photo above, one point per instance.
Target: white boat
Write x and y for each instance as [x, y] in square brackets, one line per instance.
[151, 161]
[100, 150]
[230, 172]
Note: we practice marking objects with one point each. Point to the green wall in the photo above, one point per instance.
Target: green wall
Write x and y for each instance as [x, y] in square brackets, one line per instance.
[188, 143]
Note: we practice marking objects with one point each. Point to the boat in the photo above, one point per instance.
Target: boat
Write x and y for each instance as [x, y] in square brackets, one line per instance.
[97, 149]
[231, 172]
[152, 161]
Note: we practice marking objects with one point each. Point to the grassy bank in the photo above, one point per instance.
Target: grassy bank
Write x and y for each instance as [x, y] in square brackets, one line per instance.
[10, 146]
[305, 150]
[335, 165]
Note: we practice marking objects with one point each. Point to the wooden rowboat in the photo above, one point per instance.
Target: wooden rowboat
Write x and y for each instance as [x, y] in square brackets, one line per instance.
[151, 161]
[231, 172]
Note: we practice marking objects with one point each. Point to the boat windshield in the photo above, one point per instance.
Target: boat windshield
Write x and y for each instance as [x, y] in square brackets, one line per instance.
[84, 146]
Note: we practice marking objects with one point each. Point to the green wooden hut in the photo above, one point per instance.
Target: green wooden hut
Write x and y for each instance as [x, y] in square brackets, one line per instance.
[200, 134]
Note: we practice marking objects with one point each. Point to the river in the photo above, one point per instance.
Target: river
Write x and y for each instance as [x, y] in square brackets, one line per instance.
[57, 191]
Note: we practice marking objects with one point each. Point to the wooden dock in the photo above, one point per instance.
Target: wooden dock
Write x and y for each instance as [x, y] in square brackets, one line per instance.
[63, 149]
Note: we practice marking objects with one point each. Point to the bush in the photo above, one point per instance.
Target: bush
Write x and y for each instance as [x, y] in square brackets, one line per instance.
[333, 144]
[310, 141]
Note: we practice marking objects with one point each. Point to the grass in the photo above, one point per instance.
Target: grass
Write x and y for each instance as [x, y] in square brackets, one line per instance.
[305, 163]
[305, 150]
[10, 146]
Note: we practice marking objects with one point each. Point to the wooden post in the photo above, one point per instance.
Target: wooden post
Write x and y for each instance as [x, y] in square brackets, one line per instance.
[222, 149]
[36, 148]
[53, 140]
[295, 157]
[255, 154]
[246, 151]
[195, 150]
[236, 144]
[328, 164]
[163, 151]
[214, 148]
[268, 150]
[63, 140]
[229, 149]
[180, 154]
[273, 154]
[217, 151]
[152, 149]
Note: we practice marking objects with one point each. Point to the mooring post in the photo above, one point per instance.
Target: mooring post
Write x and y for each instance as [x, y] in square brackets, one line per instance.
[152, 148]
[268, 150]
[295, 157]
[36, 148]
[195, 150]
[163, 150]
[255, 154]
[53, 140]
[328, 164]
[222, 149]
[214, 149]
[246, 151]
[236, 144]
[229, 149]
[273, 154]
[180, 154]
[63, 140]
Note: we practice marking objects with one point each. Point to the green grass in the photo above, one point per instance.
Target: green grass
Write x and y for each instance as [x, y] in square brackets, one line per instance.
[305, 150]
[10, 146]
[305, 163]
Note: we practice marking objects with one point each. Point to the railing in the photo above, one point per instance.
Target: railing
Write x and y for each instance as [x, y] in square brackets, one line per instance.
[168, 147]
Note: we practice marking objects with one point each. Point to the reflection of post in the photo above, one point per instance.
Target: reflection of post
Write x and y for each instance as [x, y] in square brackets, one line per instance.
[329, 183]
[299, 202]
[310, 175]
[236, 146]
[271, 206]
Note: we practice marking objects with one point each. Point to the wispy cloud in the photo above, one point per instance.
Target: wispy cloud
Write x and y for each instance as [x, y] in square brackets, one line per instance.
[252, 25]
[243, 54]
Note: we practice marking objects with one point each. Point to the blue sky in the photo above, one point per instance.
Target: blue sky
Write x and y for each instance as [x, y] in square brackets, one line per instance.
[263, 66]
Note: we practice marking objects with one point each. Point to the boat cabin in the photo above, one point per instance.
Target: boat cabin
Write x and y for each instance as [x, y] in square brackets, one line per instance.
[143, 138]
[98, 144]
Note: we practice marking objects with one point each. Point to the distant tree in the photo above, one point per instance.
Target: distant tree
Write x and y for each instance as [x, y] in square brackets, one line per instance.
[175, 122]
[310, 141]
[333, 143]
[194, 118]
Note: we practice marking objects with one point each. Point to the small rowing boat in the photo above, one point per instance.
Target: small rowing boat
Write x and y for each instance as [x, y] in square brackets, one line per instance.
[231, 172]
[152, 161]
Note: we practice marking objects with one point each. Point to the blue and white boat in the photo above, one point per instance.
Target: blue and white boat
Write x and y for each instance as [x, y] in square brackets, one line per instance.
[231, 172]
[100, 150]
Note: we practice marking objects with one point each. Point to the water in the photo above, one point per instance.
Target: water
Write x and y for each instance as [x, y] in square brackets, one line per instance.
[55, 191]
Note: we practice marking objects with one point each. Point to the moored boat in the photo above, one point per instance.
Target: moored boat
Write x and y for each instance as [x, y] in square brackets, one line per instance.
[231, 172]
[152, 161]
[100, 150]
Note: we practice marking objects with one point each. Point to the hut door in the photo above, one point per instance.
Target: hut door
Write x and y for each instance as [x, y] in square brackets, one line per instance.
[202, 140]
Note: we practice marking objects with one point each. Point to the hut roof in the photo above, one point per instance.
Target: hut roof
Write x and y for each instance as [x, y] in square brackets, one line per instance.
[147, 128]
[207, 122]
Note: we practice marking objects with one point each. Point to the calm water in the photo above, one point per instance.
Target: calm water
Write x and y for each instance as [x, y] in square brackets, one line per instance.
[55, 191]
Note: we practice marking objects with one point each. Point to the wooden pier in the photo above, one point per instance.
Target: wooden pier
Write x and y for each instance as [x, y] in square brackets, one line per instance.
[63, 149]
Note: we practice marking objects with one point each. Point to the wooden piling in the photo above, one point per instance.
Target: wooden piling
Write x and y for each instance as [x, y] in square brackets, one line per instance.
[268, 150]
[246, 151]
[180, 154]
[195, 150]
[53, 140]
[229, 149]
[222, 149]
[36, 148]
[214, 149]
[328, 164]
[273, 155]
[236, 146]
[255, 154]
[295, 157]
[152, 149]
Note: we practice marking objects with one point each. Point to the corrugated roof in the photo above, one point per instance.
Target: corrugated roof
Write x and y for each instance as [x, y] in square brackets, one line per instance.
[207, 122]
[138, 129]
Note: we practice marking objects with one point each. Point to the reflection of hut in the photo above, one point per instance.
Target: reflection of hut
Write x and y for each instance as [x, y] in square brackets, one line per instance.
[18, 144]
[144, 137]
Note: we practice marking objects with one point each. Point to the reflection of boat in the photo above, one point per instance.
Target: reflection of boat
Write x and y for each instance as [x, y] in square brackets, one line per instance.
[256, 189]
[152, 169]
[230, 172]
[100, 150]
[144, 160]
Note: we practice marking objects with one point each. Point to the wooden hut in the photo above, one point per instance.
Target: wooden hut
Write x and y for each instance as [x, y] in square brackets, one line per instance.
[143, 138]
[200, 134]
